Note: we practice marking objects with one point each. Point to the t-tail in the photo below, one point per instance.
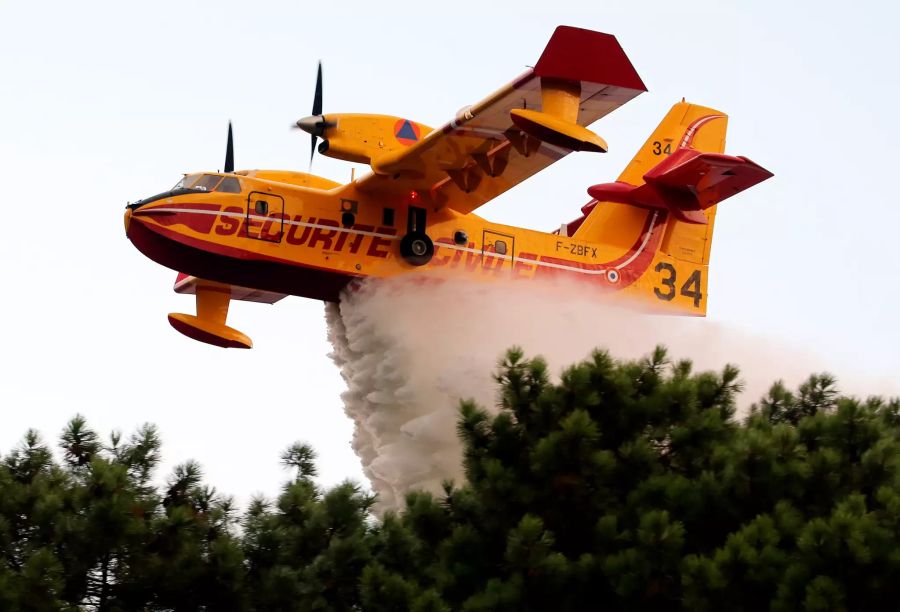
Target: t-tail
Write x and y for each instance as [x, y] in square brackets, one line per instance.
[660, 213]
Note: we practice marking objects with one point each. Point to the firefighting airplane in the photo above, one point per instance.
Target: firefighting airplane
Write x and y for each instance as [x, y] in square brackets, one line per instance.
[260, 235]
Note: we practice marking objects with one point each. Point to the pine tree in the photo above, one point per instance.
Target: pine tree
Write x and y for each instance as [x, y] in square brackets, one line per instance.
[624, 485]
[630, 485]
[308, 550]
[91, 533]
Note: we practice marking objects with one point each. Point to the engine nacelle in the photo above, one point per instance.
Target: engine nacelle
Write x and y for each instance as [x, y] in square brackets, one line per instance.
[363, 138]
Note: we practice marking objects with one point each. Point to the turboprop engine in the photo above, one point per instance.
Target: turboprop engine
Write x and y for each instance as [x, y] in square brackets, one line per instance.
[362, 138]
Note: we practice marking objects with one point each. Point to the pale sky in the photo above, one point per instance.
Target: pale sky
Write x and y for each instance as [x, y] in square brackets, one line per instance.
[106, 102]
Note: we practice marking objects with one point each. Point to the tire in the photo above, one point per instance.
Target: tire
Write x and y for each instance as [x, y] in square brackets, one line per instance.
[417, 248]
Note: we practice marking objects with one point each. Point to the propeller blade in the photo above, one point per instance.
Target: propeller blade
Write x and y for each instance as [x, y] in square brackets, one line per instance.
[316, 112]
[317, 98]
[229, 151]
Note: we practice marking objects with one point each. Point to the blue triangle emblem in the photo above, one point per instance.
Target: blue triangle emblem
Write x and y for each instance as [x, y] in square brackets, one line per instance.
[407, 132]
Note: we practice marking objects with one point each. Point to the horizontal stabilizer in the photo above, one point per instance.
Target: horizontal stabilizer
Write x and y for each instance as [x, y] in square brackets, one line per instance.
[686, 183]
[711, 177]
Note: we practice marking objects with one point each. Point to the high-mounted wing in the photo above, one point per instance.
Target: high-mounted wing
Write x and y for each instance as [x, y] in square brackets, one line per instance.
[516, 132]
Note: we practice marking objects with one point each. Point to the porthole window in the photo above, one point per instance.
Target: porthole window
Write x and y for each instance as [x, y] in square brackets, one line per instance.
[460, 237]
[500, 247]
[262, 207]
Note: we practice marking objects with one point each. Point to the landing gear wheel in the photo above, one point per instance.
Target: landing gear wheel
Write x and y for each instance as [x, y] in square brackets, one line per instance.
[417, 248]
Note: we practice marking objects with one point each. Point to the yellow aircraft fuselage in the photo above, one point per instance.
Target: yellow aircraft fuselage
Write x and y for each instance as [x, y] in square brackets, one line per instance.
[287, 237]
[647, 235]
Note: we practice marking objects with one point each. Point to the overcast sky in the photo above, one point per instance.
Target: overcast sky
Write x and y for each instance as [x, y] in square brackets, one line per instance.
[106, 102]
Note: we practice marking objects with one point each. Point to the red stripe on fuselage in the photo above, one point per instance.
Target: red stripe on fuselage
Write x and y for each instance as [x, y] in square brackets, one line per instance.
[628, 273]
[202, 223]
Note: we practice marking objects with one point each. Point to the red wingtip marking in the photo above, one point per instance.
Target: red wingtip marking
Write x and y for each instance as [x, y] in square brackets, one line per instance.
[575, 54]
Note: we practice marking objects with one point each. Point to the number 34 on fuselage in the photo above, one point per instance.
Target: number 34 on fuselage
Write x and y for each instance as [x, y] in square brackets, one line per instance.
[260, 235]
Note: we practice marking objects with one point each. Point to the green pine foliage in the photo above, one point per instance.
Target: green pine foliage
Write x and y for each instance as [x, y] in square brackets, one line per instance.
[631, 485]
[624, 485]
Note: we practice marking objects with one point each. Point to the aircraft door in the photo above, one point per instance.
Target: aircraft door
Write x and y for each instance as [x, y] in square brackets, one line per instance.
[497, 251]
[265, 216]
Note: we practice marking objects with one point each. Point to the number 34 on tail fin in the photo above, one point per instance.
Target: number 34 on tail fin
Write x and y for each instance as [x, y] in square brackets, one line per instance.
[669, 193]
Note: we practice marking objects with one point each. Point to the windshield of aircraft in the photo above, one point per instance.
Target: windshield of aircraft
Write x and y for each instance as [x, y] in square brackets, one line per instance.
[186, 181]
[209, 182]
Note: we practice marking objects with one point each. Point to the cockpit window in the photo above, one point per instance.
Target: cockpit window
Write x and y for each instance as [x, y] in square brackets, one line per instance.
[207, 182]
[229, 184]
[186, 182]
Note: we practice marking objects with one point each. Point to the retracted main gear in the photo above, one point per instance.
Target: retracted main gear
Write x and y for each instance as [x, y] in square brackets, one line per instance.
[417, 248]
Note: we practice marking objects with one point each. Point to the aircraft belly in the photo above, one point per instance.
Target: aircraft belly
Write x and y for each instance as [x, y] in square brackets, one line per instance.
[226, 264]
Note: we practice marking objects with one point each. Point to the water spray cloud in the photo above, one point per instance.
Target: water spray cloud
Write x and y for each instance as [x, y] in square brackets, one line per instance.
[410, 349]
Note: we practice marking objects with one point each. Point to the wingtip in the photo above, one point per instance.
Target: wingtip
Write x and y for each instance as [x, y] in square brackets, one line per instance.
[577, 54]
